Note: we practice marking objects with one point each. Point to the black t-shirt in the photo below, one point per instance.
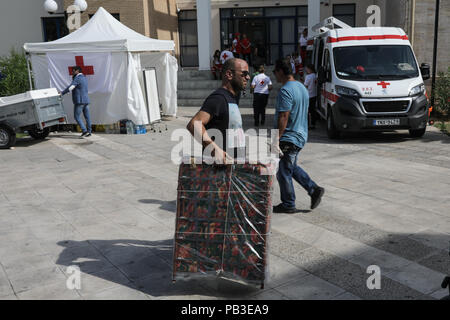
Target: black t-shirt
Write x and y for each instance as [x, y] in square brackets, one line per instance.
[222, 105]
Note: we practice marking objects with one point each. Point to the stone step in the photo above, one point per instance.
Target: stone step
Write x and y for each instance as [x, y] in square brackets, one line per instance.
[204, 93]
[245, 103]
[208, 84]
[198, 84]
[195, 74]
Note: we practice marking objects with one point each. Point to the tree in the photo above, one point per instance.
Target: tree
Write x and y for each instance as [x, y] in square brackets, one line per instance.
[442, 93]
[14, 74]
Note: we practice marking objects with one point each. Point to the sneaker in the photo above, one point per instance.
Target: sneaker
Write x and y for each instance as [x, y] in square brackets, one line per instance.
[316, 197]
[282, 209]
[88, 135]
[84, 134]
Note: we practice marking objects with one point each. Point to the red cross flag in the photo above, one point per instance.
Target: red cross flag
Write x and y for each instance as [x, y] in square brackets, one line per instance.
[95, 66]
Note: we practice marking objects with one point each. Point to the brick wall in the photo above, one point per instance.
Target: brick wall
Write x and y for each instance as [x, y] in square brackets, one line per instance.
[153, 18]
[424, 33]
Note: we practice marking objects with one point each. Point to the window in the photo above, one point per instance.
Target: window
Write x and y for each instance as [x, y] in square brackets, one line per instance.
[387, 62]
[345, 13]
[187, 25]
[115, 15]
[248, 12]
[54, 28]
[280, 12]
[273, 31]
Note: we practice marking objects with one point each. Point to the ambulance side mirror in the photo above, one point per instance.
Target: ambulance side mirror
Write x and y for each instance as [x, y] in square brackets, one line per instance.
[425, 71]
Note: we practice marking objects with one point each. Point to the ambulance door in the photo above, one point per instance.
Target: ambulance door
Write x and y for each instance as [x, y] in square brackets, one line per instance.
[327, 87]
[319, 48]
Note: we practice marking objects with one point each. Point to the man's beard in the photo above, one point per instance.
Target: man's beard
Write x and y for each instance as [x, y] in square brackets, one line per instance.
[237, 86]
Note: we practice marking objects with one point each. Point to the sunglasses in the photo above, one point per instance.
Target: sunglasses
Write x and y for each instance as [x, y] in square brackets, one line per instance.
[243, 74]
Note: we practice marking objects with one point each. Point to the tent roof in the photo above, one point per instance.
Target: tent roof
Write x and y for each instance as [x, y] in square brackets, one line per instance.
[102, 33]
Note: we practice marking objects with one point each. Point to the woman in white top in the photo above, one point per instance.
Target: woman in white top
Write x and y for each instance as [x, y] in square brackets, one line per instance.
[311, 85]
[261, 86]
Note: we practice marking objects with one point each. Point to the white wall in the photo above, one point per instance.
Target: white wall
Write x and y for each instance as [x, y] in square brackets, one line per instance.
[20, 22]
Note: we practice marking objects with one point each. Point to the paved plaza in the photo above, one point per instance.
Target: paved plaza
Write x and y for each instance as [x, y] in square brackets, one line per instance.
[107, 205]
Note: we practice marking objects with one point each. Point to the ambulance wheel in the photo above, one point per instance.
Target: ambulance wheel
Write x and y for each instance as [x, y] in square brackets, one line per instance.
[7, 137]
[39, 134]
[332, 131]
[417, 133]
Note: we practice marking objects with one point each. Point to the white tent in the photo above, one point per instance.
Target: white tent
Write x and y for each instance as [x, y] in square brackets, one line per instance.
[112, 57]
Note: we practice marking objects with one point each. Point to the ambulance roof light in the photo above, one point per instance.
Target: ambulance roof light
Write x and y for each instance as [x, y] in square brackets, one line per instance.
[328, 24]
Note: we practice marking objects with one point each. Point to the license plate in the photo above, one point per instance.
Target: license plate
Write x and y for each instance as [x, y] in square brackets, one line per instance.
[386, 122]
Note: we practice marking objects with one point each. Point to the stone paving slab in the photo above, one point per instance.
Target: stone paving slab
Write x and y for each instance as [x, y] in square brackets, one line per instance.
[108, 204]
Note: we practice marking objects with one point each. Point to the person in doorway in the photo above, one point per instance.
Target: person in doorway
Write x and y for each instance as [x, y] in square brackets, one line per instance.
[261, 86]
[216, 65]
[291, 119]
[236, 46]
[220, 111]
[303, 44]
[80, 99]
[246, 49]
[290, 58]
[298, 66]
[311, 85]
[259, 55]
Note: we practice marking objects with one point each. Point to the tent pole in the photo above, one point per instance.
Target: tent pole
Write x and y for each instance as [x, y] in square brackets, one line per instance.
[29, 71]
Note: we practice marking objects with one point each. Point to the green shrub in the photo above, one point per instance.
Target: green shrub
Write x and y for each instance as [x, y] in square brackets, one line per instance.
[442, 93]
[13, 69]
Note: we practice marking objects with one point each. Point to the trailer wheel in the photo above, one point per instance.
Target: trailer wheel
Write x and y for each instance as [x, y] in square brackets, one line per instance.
[39, 134]
[417, 133]
[7, 136]
[332, 131]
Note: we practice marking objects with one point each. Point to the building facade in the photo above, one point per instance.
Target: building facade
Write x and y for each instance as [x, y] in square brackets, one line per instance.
[24, 21]
[275, 26]
[153, 18]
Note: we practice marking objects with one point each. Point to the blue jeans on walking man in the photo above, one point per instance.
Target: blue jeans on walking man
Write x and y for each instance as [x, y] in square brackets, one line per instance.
[289, 169]
[83, 108]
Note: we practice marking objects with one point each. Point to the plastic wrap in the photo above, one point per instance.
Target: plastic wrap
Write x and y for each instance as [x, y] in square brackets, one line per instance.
[223, 220]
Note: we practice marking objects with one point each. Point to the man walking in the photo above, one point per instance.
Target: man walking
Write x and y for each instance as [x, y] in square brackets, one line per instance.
[80, 98]
[261, 86]
[291, 119]
[220, 111]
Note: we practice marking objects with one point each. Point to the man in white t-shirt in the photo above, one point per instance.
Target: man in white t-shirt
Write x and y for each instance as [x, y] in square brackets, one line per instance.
[261, 86]
[303, 44]
[226, 55]
[311, 85]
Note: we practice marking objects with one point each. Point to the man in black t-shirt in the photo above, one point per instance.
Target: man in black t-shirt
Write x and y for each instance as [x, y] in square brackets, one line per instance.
[220, 111]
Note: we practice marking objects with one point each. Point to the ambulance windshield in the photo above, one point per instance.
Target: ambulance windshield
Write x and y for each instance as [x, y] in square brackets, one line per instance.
[385, 62]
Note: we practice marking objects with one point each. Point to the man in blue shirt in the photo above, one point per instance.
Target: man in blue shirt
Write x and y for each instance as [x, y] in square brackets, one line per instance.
[291, 119]
[80, 99]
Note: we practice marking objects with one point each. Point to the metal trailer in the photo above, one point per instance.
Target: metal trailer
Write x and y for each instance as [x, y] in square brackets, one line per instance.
[34, 111]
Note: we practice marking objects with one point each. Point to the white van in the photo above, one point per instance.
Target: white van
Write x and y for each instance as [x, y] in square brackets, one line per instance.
[368, 80]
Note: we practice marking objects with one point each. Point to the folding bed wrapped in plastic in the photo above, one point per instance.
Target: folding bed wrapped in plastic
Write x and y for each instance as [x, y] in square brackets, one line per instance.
[223, 217]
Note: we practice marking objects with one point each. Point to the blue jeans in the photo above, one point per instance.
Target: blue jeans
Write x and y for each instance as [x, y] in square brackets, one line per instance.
[83, 108]
[289, 169]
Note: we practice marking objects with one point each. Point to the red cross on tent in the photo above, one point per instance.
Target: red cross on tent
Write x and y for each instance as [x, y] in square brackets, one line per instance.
[383, 84]
[87, 70]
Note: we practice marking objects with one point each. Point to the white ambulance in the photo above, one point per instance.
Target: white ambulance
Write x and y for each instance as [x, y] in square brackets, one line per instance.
[368, 80]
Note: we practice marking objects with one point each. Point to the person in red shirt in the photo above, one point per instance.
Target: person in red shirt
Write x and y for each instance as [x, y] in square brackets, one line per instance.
[246, 46]
[236, 48]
